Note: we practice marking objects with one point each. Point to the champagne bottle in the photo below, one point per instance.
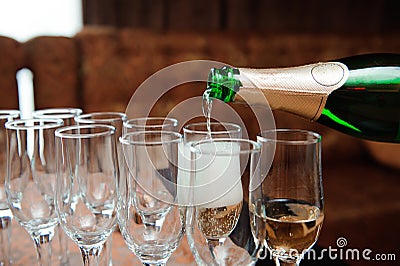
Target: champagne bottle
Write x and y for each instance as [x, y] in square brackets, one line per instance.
[358, 95]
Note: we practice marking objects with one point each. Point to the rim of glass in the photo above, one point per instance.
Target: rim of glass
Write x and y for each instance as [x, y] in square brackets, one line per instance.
[25, 124]
[9, 114]
[100, 117]
[310, 137]
[61, 132]
[234, 128]
[57, 112]
[254, 147]
[170, 122]
[177, 138]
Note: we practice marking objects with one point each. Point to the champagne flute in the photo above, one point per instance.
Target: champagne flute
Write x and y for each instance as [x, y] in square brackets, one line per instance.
[218, 219]
[30, 181]
[150, 123]
[145, 124]
[67, 115]
[150, 219]
[86, 188]
[194, 132]
[287, 200]
[203, 130]
[5, 212]
[115, 119]
[157, 123]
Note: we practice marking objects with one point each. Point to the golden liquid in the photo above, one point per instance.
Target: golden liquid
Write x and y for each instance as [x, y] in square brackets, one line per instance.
[286, 226]
[219, 222]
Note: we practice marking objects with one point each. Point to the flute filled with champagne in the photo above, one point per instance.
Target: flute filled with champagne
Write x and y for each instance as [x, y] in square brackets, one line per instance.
[286, 203]
[217, 225]
[287, 224]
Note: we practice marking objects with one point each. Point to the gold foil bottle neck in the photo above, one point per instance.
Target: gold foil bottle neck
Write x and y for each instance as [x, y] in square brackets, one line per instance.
[299, 90]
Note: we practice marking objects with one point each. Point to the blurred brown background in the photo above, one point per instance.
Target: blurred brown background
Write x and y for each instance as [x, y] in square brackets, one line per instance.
[123, 42]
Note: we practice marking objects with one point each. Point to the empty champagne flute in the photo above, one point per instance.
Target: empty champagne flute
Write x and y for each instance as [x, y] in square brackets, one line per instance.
[115, 119]
[5, 212]
[145, 124]
[150, 220]
[217, 222]
[86, 188]
[287, 200]
[150, 123]
[68, 115]
[31, 178]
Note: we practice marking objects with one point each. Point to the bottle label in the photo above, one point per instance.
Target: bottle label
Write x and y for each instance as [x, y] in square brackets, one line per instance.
[301, 90]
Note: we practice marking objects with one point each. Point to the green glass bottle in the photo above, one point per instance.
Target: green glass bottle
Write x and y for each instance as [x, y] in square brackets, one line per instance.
[358, 95]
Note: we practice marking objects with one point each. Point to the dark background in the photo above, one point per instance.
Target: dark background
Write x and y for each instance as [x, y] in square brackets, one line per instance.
[272, 16]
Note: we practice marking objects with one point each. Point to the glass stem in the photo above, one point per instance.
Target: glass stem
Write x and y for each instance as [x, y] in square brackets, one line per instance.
[64, 252]
[5, 228]
[90, 254]
[43, 248]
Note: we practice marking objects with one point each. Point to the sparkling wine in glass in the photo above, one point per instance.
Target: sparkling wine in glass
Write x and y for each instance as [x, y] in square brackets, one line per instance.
[31, 178]
[86, 188]
[286, 208]
[217, 220]
[194, 132]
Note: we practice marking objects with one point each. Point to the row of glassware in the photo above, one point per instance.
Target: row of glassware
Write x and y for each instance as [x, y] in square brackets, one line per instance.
[88, 173]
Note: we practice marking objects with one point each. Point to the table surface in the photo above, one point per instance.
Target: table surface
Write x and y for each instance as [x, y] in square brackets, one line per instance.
[23, 250]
